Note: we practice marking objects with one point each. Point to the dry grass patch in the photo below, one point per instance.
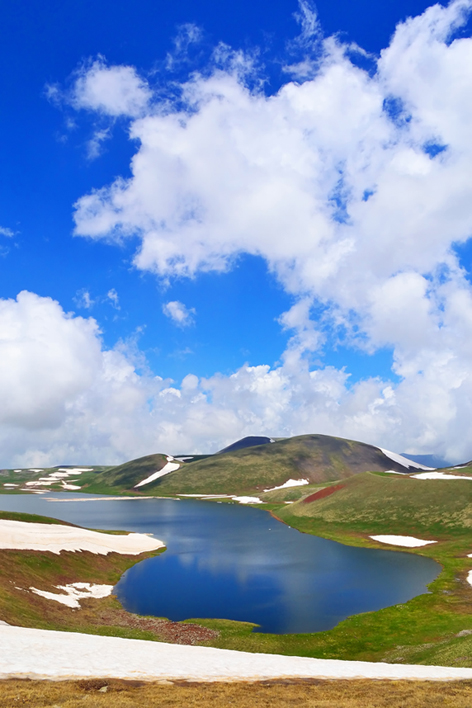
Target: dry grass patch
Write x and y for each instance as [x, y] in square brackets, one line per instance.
[313, 694]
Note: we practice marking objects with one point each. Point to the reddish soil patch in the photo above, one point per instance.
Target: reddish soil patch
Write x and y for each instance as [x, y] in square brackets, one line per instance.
[323, 493]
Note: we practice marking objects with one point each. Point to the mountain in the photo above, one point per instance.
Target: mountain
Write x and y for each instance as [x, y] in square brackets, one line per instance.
[249, 441]
[129, 474]
[314, 458]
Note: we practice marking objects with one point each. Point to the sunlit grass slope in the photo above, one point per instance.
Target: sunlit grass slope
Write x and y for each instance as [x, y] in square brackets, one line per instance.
[373, 503]
[129, 474]
[317, 458]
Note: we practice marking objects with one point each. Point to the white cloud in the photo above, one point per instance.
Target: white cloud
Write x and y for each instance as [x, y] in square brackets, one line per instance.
[8, 233]
[47, 358]
[180, 315]
[114, 91]
[84, 300]
[67, 399]
[112, 296]
[354, 187]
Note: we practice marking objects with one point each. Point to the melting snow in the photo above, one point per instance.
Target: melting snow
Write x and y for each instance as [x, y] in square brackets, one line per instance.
[405, 541]
[404, 461]
[43, 654]
[55, 538]
[289, 483]
[75, 592]
[438, 475]
[248, 500]
[169, 467]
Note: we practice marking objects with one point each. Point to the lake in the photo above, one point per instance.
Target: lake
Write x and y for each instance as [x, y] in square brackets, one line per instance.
[234, 562]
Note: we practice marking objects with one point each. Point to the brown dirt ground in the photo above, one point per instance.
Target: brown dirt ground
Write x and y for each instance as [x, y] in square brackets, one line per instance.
[102, 693]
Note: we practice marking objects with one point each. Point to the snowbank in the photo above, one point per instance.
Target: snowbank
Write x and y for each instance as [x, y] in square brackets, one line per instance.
[289, 483]
[405, 541]
[75, 592]
[168, 467]
[21, 535]
[248, 500]
[41, 654]
[404, 460]
[438, 475]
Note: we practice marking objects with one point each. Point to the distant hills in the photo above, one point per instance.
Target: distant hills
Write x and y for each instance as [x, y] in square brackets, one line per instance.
[252, 465]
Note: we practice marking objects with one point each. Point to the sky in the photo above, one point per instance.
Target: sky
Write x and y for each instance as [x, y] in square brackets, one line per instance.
[220, 220]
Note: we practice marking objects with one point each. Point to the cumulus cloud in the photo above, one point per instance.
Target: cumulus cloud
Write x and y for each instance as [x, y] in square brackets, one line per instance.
[8, 233]
[178, 313]
[353, 186]
[113, 91]
[68, 399]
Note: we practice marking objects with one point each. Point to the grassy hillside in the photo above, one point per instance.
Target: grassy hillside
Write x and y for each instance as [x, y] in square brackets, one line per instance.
[318, 458]
[126, 476]
[23, 569]
[373, 503]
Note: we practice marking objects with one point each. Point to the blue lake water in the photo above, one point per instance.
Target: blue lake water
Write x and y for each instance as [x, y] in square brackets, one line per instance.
[234, 562]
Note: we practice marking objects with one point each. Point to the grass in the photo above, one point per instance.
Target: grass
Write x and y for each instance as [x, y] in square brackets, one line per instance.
[428, 629]
[318, 458]
[105, 693]
[44, 571]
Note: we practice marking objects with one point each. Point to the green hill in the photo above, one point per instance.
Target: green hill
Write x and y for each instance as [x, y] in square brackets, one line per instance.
[374, 503]
[129, 474]
[317, 458]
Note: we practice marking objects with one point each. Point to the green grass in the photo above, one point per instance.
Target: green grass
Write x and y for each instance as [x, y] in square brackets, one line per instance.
[318, 458]
[425, 630]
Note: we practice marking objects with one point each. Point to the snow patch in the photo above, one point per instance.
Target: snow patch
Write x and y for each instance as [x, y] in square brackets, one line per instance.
[289, 483]
[405, 541]
[44, 654]
[403, 474]
[248, 500]
[207, 496]
[21, 535]
[92, 499]
[438, 475]
[168, 467]
[404, 461]
[469, 577]
[75, 592]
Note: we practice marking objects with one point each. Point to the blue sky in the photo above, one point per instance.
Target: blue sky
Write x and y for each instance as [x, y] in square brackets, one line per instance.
[233, 219]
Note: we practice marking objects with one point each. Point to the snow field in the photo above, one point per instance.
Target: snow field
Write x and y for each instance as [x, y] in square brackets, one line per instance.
[75, 592]
[438, 475]
[169, 467]
[22, 535]
[289, 483]
[405, 541]
[43, 654]
[403, 460]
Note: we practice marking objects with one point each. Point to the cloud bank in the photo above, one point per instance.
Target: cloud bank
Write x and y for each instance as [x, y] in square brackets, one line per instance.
[353, 185]
[67, 399]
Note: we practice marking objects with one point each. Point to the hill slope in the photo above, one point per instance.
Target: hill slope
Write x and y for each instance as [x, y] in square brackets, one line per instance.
[129, 474]
[316, 458]
[381, 503]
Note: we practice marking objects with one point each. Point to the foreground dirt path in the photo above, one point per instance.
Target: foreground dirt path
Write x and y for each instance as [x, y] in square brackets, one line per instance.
[315, 694]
